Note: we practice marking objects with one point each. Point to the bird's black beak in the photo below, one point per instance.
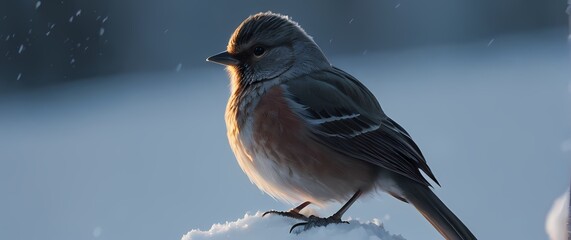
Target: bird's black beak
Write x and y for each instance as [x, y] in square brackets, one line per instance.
[224, 58]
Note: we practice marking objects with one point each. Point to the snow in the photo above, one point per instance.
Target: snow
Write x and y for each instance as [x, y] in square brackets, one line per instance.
[256, 227]
[70, 19]
[179, 67]
[556, 223]
[38, 4]
[21, 48]
[101, 31]
[566, 146]
[78, 12]
[19, 76]
[97, 231]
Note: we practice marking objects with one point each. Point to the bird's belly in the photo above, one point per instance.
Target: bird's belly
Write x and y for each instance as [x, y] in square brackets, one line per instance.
[274, 149]
[297, 172]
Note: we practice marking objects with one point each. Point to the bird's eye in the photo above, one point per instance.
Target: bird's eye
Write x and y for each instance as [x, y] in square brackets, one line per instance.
[259, 51]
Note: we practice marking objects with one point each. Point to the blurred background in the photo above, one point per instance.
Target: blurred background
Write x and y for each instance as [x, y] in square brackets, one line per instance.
[111, 122]
[47, 42]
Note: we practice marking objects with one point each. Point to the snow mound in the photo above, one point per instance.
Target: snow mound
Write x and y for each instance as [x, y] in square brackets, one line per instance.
[556, 223]
[254, 227]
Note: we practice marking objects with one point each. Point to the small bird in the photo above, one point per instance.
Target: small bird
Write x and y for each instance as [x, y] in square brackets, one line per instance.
[305, 131]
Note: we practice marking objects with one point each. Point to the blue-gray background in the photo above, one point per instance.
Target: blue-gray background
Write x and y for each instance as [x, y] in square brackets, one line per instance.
[111, 123]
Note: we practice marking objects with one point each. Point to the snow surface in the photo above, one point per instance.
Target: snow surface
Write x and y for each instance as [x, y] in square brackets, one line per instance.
[556, 224]
[256, 227]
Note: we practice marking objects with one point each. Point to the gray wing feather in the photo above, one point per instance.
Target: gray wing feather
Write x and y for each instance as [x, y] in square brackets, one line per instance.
[345, 116]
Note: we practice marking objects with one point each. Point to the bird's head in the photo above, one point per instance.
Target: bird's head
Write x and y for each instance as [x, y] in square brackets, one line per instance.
[268, 45]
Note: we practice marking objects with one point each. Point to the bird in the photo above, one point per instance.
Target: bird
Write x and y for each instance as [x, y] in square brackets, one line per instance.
[305, 131]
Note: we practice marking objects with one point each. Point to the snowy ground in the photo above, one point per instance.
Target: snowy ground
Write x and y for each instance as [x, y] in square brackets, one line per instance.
[558, 217]
[255, 226]
[145, 156]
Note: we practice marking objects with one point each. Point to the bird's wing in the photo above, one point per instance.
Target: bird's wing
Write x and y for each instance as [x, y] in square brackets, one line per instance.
[343, 114]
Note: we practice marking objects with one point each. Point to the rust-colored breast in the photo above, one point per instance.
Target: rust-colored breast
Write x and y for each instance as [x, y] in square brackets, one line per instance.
[289, 164]
[275, 124]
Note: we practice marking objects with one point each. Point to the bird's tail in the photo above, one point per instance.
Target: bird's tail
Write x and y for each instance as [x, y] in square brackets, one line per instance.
[434, 210]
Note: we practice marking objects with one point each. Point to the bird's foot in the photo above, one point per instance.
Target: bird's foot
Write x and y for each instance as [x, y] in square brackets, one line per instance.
[294, 213]
[289, 214]
[314, 221]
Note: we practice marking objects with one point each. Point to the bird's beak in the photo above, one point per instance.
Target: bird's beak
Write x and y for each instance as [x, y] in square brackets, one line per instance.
[224, 58]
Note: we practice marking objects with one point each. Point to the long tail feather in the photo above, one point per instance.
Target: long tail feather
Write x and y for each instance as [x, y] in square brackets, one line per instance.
[434, 210]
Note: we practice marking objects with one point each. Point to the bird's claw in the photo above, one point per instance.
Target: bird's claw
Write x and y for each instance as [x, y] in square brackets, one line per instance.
[294, 213]
[311, 221]
[314, 221]
[290, 214]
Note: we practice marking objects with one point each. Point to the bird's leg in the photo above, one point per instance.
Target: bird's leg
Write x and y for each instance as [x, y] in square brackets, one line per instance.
[294, 213]
[314, 221]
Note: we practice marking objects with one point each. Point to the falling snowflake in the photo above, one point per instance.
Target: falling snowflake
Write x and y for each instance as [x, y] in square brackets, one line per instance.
[179, 67]
[38, 4]
[566, 146]
[78, 12]
[386, 217]
[21, 48]
[19, 76]
[101, 31]
[97, 232]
